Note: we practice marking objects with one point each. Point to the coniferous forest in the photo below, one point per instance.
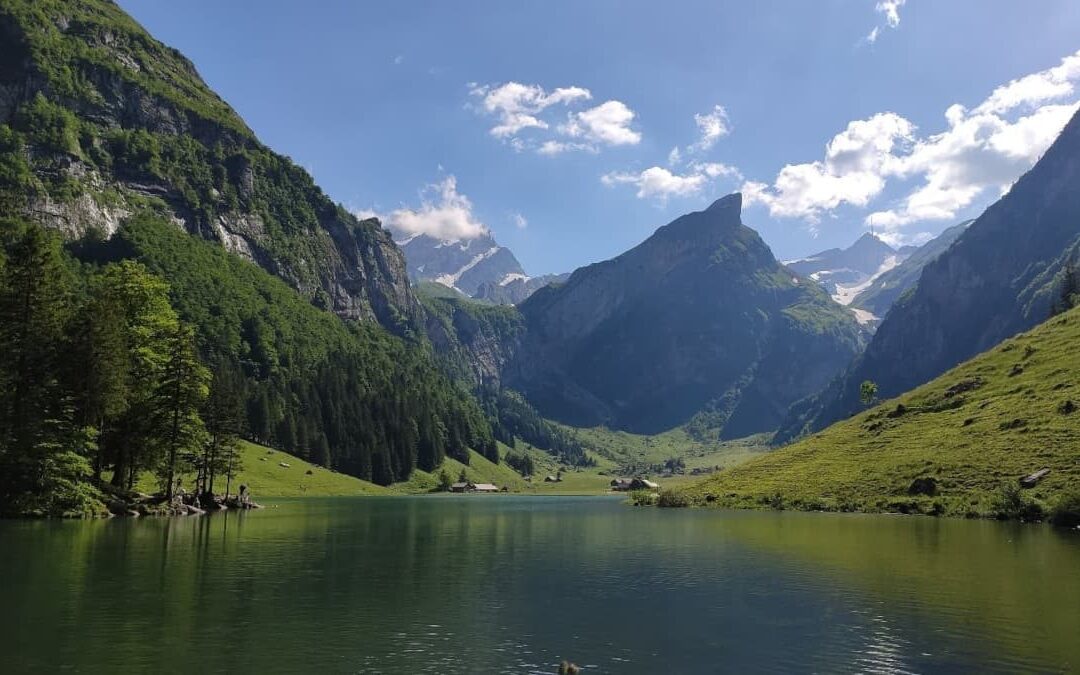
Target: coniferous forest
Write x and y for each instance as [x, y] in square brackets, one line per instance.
[110, 371]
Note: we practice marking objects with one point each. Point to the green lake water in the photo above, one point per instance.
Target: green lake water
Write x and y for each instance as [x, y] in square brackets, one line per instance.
[499, 584]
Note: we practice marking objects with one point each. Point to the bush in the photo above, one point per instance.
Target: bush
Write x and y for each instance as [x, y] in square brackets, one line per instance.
[1066, 510]
[1010, 503]
[642, 497]
[671, 498]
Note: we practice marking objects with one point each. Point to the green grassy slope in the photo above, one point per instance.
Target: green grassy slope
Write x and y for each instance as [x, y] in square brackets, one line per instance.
[263, 474]
[1001, 415]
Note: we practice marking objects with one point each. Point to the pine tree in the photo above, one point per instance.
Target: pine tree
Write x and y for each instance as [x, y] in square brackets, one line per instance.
[180, 393]
[223, 418]
[34, 303]
[98, 365]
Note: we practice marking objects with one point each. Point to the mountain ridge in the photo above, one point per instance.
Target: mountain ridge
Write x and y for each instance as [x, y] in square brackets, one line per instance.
[998, 278]
[637, 342]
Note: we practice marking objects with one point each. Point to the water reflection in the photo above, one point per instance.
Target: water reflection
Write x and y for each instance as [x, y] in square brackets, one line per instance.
[516, 584]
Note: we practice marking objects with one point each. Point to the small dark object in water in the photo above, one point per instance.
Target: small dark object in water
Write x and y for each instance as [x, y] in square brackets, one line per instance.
[567, 668]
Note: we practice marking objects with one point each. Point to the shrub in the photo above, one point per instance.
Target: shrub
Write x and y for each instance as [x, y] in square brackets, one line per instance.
[671, 498]
[1010, 503]
[642, 497]
[1066, 510]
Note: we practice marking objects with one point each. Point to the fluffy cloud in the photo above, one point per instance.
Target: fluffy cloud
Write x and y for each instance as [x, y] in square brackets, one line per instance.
[520, 222]
[517, 105]
[444, 213]
[982, 150]
[851, 172]
[891, 10]
[660, 183]
[520, 107]
[712, 125]
[607, 123]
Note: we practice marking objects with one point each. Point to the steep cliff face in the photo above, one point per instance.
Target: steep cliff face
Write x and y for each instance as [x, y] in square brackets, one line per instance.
[101, 121]
[516, 290]
[997, 279]
[475, 341]
[699, 316]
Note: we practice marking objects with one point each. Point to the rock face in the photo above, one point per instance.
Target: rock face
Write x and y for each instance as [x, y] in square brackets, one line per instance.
[151, 136]
[997, 279]
[699, 316]
[885, 289]
[516, 290]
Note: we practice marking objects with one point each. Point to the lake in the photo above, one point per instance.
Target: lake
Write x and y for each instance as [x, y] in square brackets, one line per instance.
[503, 584]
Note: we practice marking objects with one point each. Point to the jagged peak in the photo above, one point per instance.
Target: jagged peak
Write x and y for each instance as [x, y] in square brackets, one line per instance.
[731, 201]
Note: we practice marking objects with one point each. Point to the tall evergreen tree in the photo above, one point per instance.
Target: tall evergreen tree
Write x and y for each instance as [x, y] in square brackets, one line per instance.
[179, 395]
[223, 416]
[34, 303]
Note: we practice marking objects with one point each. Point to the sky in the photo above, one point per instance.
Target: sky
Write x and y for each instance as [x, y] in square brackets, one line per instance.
[572, 129]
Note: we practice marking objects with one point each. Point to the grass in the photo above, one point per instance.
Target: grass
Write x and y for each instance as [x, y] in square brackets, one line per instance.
[979, 427]
[263, 474]
[265, 477]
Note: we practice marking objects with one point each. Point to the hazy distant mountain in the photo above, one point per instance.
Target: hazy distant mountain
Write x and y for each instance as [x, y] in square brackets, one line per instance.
[887, 287]
[846, 272]
[699, 317]
[515, 289]
[998, 278]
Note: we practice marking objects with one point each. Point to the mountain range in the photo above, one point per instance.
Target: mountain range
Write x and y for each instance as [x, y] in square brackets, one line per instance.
[112, 139]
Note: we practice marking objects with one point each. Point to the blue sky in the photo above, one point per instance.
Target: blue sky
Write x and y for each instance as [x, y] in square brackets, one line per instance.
[553, 123]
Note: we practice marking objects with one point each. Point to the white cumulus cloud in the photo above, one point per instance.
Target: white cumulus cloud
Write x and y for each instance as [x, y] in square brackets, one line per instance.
[981, 151]
[660, 183]
[523, 118]
[606, 124]
[517, 106]
[444, 214]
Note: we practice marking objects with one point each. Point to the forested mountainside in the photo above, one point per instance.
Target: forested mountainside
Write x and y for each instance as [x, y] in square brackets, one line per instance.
[102, 121]
[143, 352]
[700, 319]
[998, 278]
[957, 445]
[884, 290]
[110, 140]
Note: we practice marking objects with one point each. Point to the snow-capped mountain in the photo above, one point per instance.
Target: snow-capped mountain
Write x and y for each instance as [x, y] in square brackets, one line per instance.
[463, 264]
[479, 267]
[846, 272]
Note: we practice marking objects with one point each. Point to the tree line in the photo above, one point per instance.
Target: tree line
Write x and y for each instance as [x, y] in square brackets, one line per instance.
[99, 378]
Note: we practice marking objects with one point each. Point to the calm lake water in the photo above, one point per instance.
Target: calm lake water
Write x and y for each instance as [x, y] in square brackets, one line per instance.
[514, 584]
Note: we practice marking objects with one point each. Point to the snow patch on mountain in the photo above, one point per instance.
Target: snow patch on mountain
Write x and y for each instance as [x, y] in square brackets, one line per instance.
[450, 280]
